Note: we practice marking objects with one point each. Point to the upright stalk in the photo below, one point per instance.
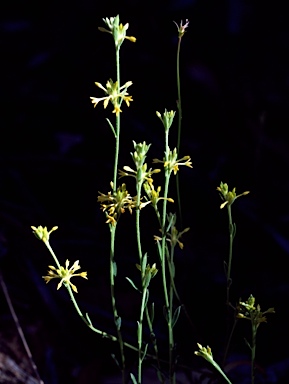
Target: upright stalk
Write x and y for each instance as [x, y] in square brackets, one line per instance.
[179, 105]
[231, 238]
[117, 319]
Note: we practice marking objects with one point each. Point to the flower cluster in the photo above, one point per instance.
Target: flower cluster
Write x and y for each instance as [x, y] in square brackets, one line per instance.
[167, 118]
[172, 163]
[248, 310]
[175, 236]
[117, 30]
[204, 352]
[228, 196]
[115, 203]
[42, 233]
[154, 195]
[182, 28]
[65, 274]
[115, 94]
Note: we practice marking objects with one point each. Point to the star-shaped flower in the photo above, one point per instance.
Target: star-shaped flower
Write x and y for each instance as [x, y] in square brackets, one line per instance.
[65, 274]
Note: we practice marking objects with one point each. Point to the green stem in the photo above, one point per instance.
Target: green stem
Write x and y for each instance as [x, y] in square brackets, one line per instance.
[140, 327]
[52, 254]
[231, 234]
[171, 334]
[113, 302]
[253, 351]
[117, 123]
[179, 105]
[153, 339]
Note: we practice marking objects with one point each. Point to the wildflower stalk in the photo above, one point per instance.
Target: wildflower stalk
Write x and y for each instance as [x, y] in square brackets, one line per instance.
[144, 290]
[168, 298]
[179, 106]
[232, 230]
[117, 121]
[253, 351]
[117, 319]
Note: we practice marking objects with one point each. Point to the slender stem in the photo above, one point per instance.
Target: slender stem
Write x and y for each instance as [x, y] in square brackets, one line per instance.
[117, 122]
[144, 291]
[179, 105]
[116, 317]
[229, 341]
[153, 339]
[231, 234]
[140, 327]
[52, 254]
[171, 334]
[19, 329]
[253, 351]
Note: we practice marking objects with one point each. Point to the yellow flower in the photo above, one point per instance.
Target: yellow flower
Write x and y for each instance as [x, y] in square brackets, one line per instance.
[175, 235]
[154, 195]
[117, 30]
[42, 233]
[228, 196]
[204, 352]
[172, 164]
[115, 203]
[114, 95]
[248, 310]
[65, 274]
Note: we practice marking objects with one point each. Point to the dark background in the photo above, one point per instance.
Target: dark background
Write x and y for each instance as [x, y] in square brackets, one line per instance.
[56, 153]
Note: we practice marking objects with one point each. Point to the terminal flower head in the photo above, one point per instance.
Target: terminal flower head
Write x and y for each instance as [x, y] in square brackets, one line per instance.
[117, 30]
[115, 94]
[228, 196]
[42, 233]
[182, 28]
[65, 274]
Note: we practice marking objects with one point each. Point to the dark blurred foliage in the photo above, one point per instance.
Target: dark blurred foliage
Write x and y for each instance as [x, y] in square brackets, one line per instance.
[56, 153]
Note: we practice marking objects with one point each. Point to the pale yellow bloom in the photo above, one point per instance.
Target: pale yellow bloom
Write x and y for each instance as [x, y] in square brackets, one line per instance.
[65, 274]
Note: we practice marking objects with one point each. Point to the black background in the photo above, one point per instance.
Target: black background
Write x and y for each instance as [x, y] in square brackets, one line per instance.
[56, 153]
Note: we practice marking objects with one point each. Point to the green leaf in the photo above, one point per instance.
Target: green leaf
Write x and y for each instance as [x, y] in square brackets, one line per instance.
[111, 126]
[133, 379]
[145, 351]
[133, 284]
[118, 322]
[146, 299]
[176, 315]
[88, 319]
[114, 266]
[144, 263]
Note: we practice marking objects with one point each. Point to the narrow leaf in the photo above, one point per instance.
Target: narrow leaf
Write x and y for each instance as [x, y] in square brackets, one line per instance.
[133, 379]
[176, 315]
[132, 283]
[114, 266]
[111, 126]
